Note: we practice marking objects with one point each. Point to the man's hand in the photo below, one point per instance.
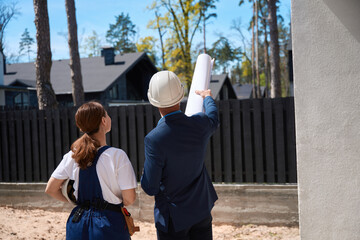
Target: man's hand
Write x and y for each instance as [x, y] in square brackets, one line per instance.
[204, 93]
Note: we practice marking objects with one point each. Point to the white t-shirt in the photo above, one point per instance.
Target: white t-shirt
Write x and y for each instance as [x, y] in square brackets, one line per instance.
[113, 168]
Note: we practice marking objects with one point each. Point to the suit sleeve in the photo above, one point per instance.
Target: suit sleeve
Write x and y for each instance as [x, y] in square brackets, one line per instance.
[154, 163]
[211, 112]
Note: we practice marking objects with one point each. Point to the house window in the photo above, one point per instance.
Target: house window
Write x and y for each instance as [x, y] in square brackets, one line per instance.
[21, 99]
[114, 92]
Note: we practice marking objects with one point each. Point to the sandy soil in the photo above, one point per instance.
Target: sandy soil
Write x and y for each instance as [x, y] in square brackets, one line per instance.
[39, 224]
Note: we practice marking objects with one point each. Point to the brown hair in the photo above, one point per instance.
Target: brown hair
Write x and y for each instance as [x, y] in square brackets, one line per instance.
[88, 118]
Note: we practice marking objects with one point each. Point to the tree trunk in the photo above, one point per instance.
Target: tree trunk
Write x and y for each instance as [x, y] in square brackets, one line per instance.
[264, 20]
[76, 77]
[161, 40]
[266, 58]
[253, 55]
[188, 68]
[257, 50]
[45, 93]
[274, 48]
[204, 34]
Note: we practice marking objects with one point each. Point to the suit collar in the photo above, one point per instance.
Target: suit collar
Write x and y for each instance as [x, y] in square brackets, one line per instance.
[170, 115]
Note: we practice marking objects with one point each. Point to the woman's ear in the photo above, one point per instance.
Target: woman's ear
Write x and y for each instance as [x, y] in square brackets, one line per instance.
[103, 121]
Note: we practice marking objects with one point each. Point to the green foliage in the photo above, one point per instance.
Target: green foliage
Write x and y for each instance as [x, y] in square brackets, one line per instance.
[223, 53]
[92, 45]
[205, 6]
[181, 19]
[147, 45]
[121, 34]
[236, 74]
[241, 72]
[175, 59]
[283, 37]
[25, 43]
[262, 79]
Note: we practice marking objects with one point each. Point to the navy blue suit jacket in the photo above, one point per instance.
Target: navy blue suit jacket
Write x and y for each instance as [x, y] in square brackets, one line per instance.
[174, 169]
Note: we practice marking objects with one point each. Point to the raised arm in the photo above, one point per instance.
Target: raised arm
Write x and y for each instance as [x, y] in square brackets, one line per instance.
[210, 107]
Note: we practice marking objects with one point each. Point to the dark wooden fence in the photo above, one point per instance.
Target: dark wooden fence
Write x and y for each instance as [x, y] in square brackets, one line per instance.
[255, 141]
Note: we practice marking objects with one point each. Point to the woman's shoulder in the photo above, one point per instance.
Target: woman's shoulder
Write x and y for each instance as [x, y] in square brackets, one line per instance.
[117, 156]
[68, 156]
[115, 150]
[115, 153]
[67, 161]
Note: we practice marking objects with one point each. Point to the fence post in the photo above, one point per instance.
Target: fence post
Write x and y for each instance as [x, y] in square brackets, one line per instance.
[216, 154]
[35, 144]
[25, 115]
[269, 141]
[132, 140]
[237, 141]
[258, 145]
[280, 143]
[247, 130]
[5, 147]
[140, 126]
[42, 146]
[226, 140]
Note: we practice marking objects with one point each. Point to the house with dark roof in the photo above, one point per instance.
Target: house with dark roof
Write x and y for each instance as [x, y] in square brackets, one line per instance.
[18, 93]
[110, 79]
[244, 91]
[221, 87]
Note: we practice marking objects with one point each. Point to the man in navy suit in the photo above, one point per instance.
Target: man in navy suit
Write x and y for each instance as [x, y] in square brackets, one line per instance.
[174, 169]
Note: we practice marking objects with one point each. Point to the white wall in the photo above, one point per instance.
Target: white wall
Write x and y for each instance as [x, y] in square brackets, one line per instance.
[326, 54]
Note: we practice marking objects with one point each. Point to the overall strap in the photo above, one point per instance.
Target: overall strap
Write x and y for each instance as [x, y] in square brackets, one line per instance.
[89, 188]
[99, 152]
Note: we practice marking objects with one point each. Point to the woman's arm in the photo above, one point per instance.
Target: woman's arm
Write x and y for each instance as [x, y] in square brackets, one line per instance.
[128, 196]
[53, 188]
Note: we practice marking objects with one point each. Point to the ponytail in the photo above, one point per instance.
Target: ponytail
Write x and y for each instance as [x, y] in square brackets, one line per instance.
[84, 150]
[88, 118]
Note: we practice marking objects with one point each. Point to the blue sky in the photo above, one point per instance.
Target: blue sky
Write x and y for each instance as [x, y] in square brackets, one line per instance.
[98, 14]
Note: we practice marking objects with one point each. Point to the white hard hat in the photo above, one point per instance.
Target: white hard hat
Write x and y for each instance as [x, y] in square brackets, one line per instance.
[165, 89]
[67, 190]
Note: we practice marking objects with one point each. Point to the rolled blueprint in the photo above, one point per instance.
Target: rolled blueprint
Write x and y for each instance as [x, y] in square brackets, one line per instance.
[200, 81]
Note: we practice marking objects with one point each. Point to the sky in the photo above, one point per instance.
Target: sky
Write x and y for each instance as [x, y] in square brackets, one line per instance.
[98, 14]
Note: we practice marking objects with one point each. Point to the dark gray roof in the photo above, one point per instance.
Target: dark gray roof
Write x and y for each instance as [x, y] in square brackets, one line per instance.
[243, 91]
[216, 83]
[27, 83]
[96, 76]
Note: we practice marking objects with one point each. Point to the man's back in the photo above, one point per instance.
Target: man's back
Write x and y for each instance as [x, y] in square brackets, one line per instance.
[174, 168]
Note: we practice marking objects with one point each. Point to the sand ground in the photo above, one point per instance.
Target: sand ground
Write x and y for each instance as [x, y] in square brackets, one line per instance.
[16, 223]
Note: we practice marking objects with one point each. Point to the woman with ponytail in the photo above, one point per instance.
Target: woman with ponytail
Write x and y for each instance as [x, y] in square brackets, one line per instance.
[104, 179]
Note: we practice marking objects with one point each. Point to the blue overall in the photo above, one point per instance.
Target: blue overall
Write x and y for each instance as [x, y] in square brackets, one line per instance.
[94, 223]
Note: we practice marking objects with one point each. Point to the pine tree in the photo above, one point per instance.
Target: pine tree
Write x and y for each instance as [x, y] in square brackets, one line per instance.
[25, 43]
[121, 34]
